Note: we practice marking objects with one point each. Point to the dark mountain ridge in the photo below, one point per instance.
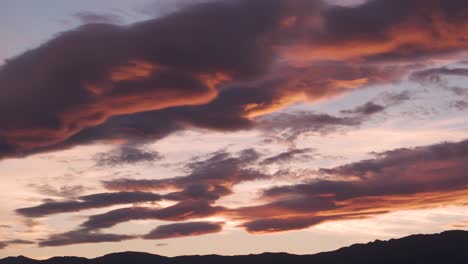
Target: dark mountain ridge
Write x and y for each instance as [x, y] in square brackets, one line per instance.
[447, 247]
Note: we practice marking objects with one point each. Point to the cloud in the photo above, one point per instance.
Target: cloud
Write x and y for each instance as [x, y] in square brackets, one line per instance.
[87, 17]
[212, 70]
[459, 104]
[460, 225]
[208, 180]
[82, 237]
[439, 77]
[181, 211]
[393, 99]
[384, 30]
[220, 169]
[199, 191]
[66, 191]
[436, 75]
[6, 243]
[401, 179]
[288, 156]
[87, 202]
[167, 7]
[271, 225]
[86, 80]
[184, 229]
[367, 109]
[290, 125]
[125, 155]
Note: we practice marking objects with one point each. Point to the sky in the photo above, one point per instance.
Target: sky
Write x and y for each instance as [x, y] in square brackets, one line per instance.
[230, 126]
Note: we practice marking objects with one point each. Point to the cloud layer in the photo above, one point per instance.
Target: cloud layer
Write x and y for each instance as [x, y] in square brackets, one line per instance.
[401, 179]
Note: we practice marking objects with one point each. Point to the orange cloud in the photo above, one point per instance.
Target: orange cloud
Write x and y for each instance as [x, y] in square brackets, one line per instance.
[403, 179]
[302, 50]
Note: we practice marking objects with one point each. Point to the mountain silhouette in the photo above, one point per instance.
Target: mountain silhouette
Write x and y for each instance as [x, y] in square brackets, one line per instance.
[448, 247]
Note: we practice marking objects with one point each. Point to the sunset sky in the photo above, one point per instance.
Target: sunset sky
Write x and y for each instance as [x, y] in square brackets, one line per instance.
[181, 127]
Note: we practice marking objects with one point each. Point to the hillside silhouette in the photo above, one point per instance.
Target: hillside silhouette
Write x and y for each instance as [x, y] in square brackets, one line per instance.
[448, 247]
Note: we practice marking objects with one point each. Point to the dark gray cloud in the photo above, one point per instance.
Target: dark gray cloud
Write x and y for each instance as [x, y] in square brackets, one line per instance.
[392, 99]
[440, 77]
[290, 125]
[127, 155]
[271, 225]
[184, 229]
[88, 17]
[66, 191]
[185, 210]
[85, 236]
[87, 202]
[288, 156]
[199, 191]
[220, 169]
[306, 121]
[367, 109]
[459, 104]
[436, 75]
[4, 244]
[82, 236]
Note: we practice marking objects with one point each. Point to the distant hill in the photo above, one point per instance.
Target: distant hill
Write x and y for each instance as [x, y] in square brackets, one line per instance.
[449, 247]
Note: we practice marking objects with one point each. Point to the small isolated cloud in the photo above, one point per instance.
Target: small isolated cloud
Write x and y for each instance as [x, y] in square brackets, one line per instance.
[161, 244]
[127, 155]
[184, 229]
[88, 17]
[7, 243]
[289, 156]
[460, 225]
[66, 191]
[367, 109]
[82, 236]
